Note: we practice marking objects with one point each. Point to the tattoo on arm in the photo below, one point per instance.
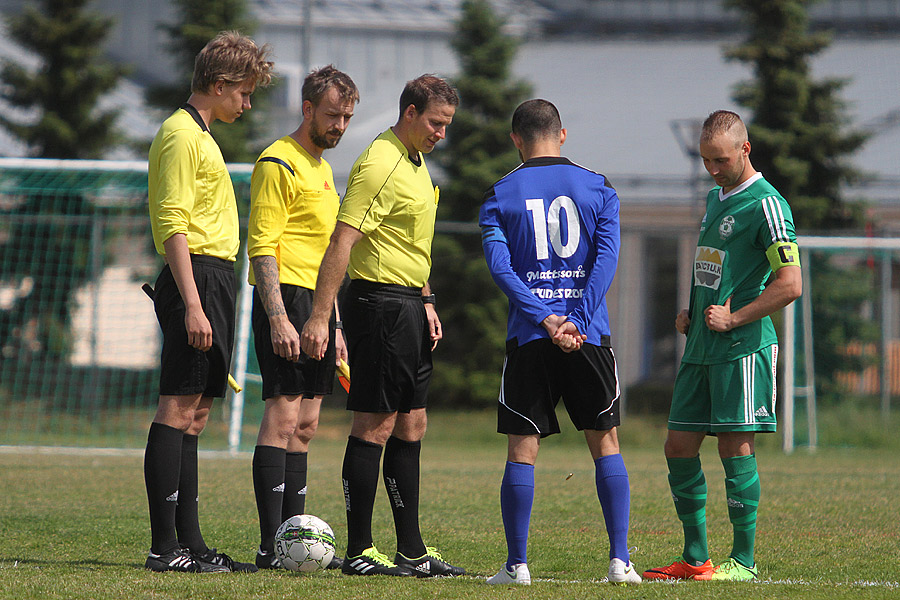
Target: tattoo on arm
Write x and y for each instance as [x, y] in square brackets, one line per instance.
[265, 269]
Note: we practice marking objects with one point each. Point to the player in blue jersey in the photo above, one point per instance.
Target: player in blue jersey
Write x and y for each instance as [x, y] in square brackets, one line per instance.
[551, 240]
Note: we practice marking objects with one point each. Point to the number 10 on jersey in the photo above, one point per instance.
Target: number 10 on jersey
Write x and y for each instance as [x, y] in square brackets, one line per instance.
[549, 223]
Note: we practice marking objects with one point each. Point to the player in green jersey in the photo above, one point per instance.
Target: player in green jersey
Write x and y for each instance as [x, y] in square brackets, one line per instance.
[746, 267]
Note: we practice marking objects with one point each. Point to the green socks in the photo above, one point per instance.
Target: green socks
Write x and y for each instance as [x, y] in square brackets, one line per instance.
[689, 493]
[742, 491]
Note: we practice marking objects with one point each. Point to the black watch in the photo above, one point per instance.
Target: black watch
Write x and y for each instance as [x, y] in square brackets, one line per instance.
[429, 299]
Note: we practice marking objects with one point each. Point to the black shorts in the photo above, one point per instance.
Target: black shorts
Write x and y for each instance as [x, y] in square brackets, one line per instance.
[184, 370]
[389, 346]
[281, 377]
[537, 374]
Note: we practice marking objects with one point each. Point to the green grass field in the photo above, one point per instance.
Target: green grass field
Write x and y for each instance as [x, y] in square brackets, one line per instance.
[76, 526]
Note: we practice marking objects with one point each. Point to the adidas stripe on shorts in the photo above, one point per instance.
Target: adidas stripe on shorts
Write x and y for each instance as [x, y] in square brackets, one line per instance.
[738, 395]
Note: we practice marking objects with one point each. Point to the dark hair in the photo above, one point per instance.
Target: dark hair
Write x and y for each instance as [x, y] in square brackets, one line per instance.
[724, 121]
[232, 58]
[319, 80]
[425, 89]
[536, 119]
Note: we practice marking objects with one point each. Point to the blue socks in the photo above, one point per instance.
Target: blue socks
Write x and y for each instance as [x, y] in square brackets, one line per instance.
[615, 499]
[516, 498]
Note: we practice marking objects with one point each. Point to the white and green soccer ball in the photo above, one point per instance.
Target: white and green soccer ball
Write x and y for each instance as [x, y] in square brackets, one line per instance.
[304, 543]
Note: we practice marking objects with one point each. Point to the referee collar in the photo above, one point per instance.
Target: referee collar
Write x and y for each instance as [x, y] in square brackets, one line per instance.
[196, 116]
[416, 160]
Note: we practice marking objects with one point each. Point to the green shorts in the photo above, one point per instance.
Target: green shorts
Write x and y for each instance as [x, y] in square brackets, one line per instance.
[731, 396]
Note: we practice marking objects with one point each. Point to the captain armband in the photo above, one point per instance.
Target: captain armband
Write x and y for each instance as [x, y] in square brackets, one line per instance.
[783, 254]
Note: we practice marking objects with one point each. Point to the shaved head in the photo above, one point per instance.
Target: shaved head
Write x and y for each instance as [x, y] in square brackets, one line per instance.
[724, 122]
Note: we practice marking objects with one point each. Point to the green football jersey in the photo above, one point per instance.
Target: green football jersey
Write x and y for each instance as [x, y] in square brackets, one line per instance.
[731, 262]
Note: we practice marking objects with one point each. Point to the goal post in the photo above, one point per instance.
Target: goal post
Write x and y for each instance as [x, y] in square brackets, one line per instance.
[79, 341]
[840, 338]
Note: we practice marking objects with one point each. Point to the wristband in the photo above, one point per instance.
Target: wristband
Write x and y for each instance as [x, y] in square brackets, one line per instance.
[338, 325]
[429, 299]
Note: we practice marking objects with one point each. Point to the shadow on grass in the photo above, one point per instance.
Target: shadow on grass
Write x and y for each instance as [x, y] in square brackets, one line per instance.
[85, 564]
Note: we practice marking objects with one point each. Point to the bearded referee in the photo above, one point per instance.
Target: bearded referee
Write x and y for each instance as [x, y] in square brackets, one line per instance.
[551, 240]
[384, 231]
[293, 208]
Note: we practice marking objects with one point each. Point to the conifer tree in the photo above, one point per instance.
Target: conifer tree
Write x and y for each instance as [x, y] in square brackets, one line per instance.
[49, 228]
[65, 89]
[801, 144]
[197, 22]
[478, 152]
[798, 130]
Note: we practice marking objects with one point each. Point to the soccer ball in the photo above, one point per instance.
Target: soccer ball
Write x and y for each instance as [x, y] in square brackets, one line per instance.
[304, 543]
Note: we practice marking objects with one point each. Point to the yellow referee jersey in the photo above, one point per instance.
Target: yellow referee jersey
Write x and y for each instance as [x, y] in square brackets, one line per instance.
[393, 202]
[293, 205]
[190, 189]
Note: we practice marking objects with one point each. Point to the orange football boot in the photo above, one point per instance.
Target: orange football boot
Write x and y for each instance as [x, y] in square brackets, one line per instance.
[679, 570]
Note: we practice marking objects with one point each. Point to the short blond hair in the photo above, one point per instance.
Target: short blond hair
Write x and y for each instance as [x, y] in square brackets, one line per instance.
[724, 121]
[232, 58]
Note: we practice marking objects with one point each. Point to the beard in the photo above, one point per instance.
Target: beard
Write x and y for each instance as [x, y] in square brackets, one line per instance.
[319, 138]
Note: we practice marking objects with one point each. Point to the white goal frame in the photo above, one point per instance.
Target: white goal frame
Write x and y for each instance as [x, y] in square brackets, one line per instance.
[884, 246]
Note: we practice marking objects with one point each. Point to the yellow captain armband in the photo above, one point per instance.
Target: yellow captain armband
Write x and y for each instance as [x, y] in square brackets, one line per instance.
[783, 254]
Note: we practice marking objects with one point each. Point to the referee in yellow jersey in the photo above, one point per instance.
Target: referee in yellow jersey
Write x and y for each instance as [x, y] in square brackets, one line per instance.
[383, 239]
[292, 214]
[193, 216]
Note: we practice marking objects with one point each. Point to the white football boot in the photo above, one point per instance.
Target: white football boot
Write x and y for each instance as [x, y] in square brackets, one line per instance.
[518, 576]
[622, 574]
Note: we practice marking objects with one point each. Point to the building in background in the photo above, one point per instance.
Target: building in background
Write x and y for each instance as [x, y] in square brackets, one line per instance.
[625, 74]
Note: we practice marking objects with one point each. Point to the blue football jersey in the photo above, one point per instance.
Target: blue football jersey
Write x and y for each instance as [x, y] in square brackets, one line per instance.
[550, 232]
